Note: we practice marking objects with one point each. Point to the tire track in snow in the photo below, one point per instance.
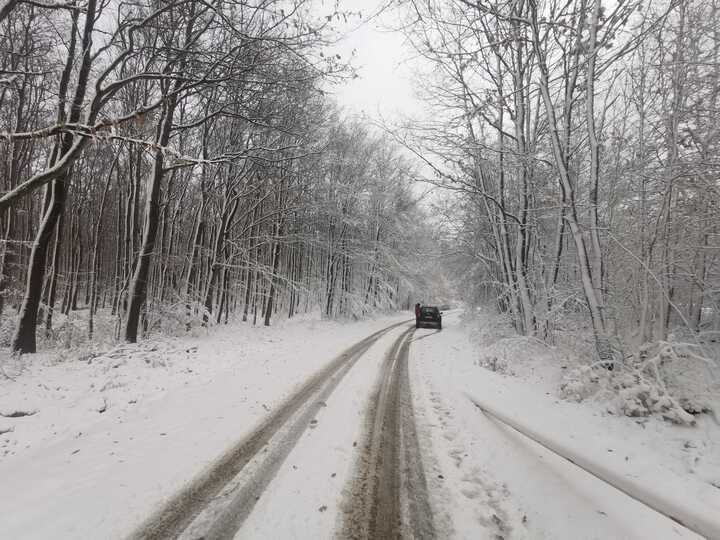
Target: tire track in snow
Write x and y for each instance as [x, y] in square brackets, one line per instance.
[283, 428]
[416, 489]
[388, 496]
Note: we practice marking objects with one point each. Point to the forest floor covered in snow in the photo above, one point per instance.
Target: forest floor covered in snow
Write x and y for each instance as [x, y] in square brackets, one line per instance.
[102, 439]
[91, 444]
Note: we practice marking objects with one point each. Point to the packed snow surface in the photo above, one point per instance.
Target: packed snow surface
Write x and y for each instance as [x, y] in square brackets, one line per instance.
[92, 445]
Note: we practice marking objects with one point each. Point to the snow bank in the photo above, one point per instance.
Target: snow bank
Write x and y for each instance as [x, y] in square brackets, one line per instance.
[665, 378]
[693, 514]
[673, 380]
[534, 493]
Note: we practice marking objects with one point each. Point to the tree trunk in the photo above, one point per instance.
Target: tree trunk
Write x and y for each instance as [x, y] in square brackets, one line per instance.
[275, 266]
[596, 261]
[601, 335]
[53, 280]
[94, 266]
[6, 261]
[24, 340]
[138, 287]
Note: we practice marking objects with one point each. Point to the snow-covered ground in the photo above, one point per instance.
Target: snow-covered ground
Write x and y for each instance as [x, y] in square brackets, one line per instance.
[112, 437]
[170, 407]
[487, 477]
[305, 498]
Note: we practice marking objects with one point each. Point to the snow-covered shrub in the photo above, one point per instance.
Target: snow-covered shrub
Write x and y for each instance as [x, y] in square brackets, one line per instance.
[69, 341]
[104, 327]
[178, 319]
[67, 332]
[582, 382]
[11, 365]
[493, 363]
[664, 378]
[686, 372]
[502, 350]
[149, 354]
[640, 396]
[8, 322]
[487, 326]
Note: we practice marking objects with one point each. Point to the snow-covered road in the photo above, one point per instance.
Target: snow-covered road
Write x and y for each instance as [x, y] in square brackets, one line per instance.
[69, 471]
[364, 430]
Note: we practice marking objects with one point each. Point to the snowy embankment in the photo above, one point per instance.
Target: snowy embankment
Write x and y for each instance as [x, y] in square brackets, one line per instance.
[488, 475]
[110, 437]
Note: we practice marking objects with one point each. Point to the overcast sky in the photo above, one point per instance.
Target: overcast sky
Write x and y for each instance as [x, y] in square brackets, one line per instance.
[384, 86]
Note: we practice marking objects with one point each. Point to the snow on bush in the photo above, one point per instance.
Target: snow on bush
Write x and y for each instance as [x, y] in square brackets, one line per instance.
[501, 349]
[673, 379]
[664, 378]
[11, 365]
[178, 319]
[68, 331]
[7, 328]
[154, 354]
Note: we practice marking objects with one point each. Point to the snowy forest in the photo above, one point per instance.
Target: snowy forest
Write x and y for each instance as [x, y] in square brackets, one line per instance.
[179, 163]
[361, 269]
[582, 141]
[182, 163]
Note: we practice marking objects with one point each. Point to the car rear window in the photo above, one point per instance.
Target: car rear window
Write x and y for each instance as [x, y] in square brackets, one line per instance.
[429, 311]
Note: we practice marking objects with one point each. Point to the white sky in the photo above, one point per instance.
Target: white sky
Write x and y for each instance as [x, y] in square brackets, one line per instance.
[383, 58]
[384, 89]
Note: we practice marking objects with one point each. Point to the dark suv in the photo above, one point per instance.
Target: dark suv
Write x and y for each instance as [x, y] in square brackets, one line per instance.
[429, 316]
